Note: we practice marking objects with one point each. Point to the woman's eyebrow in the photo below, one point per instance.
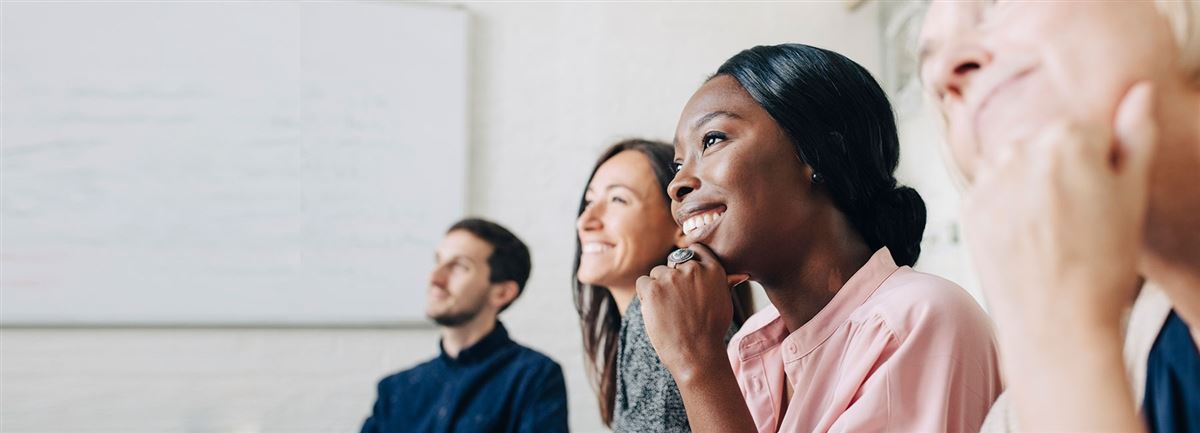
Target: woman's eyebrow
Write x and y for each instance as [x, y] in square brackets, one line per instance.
[705, 119]
[623, 186]
[713, 115]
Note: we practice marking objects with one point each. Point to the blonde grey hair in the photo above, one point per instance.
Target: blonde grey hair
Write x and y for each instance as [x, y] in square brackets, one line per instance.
[1184, 17]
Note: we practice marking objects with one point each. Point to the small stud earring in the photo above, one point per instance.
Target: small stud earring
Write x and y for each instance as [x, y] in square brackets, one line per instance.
[817, 178]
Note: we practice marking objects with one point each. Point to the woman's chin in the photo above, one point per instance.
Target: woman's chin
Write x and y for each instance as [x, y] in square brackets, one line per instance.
[593, 279]
[613, 279]
[730, 260]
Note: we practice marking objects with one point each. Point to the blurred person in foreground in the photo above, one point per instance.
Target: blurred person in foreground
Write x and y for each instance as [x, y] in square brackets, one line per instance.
[1076, 126]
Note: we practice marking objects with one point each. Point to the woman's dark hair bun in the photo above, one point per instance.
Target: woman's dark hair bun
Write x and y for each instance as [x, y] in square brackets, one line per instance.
[900, 223]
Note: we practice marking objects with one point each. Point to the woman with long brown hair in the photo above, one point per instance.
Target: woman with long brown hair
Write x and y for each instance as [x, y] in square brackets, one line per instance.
[624, 229]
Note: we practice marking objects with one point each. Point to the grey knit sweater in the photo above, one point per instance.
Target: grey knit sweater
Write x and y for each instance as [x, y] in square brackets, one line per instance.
[647, 398]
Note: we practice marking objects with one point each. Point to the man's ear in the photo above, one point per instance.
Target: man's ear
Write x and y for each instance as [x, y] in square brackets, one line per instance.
[503, 293]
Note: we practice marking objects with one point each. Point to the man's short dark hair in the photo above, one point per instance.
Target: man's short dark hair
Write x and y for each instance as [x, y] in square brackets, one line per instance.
[510, 257]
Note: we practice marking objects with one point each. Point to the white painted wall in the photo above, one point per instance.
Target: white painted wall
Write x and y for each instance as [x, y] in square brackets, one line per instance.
[553, 85]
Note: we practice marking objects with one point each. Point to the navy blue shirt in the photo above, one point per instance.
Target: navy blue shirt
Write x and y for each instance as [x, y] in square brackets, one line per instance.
[1172, 402]
[495, 385]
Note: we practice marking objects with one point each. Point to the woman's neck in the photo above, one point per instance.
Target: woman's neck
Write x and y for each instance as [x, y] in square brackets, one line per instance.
[623, 296]
[1172, 255]
[816, 272]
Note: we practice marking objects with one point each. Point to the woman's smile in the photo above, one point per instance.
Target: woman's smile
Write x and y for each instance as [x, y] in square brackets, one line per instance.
[700, 224]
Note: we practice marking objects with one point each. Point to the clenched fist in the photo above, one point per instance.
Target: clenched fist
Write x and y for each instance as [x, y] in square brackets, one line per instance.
[687, 309]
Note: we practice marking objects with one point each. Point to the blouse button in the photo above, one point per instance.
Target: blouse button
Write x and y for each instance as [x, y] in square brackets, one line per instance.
[792, 348]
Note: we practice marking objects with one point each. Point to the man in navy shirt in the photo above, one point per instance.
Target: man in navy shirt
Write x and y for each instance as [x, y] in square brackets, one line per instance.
[482, 381]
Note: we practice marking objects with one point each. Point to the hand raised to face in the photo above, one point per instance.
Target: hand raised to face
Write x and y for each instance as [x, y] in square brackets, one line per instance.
[687, 309]
[1055, 223]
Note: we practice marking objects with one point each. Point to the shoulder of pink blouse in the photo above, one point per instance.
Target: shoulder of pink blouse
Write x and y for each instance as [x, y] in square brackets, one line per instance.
[915, 302]
[943, 340]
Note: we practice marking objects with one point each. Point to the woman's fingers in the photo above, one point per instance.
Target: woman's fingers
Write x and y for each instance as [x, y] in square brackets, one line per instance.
[660, 272]
[709, 260]
[644, 286]
[705, 255]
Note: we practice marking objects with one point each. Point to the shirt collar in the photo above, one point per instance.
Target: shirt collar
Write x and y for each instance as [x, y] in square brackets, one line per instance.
[857, 289]
[481, 350]
[767, 333]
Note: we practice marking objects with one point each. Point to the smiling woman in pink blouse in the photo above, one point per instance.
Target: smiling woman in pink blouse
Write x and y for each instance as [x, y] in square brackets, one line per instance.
[785, 162]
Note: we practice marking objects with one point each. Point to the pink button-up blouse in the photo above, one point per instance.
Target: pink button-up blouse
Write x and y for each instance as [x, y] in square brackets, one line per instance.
[896, 350]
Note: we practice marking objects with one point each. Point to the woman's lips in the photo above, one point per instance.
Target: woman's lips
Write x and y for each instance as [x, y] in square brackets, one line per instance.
[595, 247]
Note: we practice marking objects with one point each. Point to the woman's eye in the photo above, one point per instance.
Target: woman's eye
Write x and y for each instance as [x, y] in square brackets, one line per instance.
[676, 167]
[620, 200]
[713, 138]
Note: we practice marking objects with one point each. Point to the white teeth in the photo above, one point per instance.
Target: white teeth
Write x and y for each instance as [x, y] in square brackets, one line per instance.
[700, 221]
[594, 247]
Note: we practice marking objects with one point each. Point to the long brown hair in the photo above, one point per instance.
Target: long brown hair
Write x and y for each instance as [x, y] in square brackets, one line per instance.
[599, 319]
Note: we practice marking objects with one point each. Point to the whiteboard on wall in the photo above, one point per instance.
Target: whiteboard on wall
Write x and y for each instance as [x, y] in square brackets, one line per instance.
[232, 163]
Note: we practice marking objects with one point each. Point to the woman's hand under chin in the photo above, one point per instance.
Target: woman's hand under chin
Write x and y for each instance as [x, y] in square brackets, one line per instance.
[688, 310]
[1055, 226]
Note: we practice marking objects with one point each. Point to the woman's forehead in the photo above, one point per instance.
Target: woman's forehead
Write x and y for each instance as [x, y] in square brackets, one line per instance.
[721, 92]
[629, 169]
[720, 95]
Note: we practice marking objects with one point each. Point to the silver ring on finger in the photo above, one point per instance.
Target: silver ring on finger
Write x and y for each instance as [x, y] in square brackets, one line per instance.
[680, 256]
